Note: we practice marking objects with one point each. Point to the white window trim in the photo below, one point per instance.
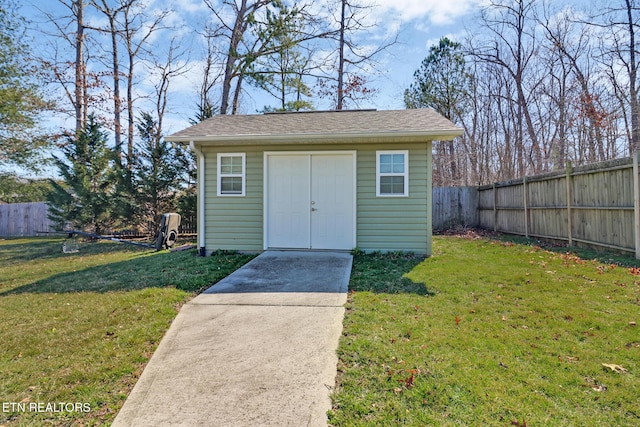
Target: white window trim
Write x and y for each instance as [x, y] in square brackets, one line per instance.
[405, 174]
[242, 175]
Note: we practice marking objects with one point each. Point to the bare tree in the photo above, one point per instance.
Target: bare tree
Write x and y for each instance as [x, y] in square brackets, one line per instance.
[354, 61]
[80, 104]
[68, 69]
[513, 47]
[137, 28]
[619, 48]
[237, 56]
[211, 75]
[111, 13]
[570, 43]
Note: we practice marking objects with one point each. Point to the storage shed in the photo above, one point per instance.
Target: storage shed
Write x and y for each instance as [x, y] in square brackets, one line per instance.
[326, 180]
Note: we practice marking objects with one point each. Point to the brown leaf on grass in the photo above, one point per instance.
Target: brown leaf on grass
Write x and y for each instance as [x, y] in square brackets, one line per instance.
[569, 257]
[408, 383]
[614, 368]
[519, 424]
[457, 319]
[634, 271]
[601, 269]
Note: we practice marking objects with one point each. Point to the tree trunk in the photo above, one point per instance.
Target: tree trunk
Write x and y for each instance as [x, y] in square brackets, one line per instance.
[80, 81]
[341, 58]
[117, 101]
[236, 95]
[232, 57]
[634, 144]
[130, 113]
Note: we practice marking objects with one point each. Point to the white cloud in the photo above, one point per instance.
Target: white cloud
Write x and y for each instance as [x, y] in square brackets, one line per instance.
[191, 6]
[438, 12]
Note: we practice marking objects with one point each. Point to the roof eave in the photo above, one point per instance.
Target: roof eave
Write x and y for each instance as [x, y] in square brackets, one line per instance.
[333, 138]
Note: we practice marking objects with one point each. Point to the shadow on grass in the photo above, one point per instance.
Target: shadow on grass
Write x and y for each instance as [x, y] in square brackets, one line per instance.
[42, 249]
[384, 273]
[182, 270]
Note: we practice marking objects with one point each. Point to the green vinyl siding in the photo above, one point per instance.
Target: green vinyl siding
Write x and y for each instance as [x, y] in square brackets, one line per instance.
[234, 222]
[395, 223]
[382, 223]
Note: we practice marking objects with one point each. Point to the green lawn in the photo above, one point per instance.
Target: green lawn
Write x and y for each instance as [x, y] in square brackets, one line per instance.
[489, 333]
[485, 332]
[79, 328]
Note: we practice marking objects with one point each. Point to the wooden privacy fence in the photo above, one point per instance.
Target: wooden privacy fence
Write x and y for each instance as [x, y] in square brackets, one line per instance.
[596, 204]
[454, 207]
[24, 219]
[31, 219]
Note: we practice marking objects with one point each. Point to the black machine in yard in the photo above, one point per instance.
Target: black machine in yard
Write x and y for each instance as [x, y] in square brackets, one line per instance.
[168, 232]
[165, 238]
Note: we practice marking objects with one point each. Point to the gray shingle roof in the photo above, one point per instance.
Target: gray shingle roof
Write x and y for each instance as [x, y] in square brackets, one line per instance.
[418, 124]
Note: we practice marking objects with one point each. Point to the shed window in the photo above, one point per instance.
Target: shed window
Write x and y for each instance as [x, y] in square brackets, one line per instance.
[231, 174]
[392, 173]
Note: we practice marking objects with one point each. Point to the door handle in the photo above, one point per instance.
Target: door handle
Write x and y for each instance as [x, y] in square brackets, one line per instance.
[313, 209]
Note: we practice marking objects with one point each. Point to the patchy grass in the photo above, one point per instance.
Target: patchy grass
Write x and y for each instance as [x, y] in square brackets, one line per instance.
[79, 328]
[498, 334]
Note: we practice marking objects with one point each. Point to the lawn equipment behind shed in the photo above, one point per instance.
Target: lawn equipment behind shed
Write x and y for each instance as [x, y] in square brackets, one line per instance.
[168, 232]
[165, 239]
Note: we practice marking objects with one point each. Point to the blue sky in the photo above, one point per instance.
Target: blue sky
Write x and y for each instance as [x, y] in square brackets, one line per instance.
[420, 24]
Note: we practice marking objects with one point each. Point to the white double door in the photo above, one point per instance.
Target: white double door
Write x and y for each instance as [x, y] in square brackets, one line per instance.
[310, 202]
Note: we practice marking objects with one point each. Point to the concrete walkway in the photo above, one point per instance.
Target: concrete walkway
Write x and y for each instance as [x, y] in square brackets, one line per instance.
[256, 349]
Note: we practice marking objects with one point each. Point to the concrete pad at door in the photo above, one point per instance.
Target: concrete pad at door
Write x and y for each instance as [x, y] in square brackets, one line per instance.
[236, 364]
[285, 278]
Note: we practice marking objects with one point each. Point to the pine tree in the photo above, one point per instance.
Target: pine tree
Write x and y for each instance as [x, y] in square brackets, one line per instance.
[442, 82]
[84, 198]
[156, 174]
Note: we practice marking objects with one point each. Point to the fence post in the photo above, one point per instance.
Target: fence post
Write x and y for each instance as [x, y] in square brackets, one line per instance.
[525, 193]
[495, 208]
[569, 174]
[636, 204]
